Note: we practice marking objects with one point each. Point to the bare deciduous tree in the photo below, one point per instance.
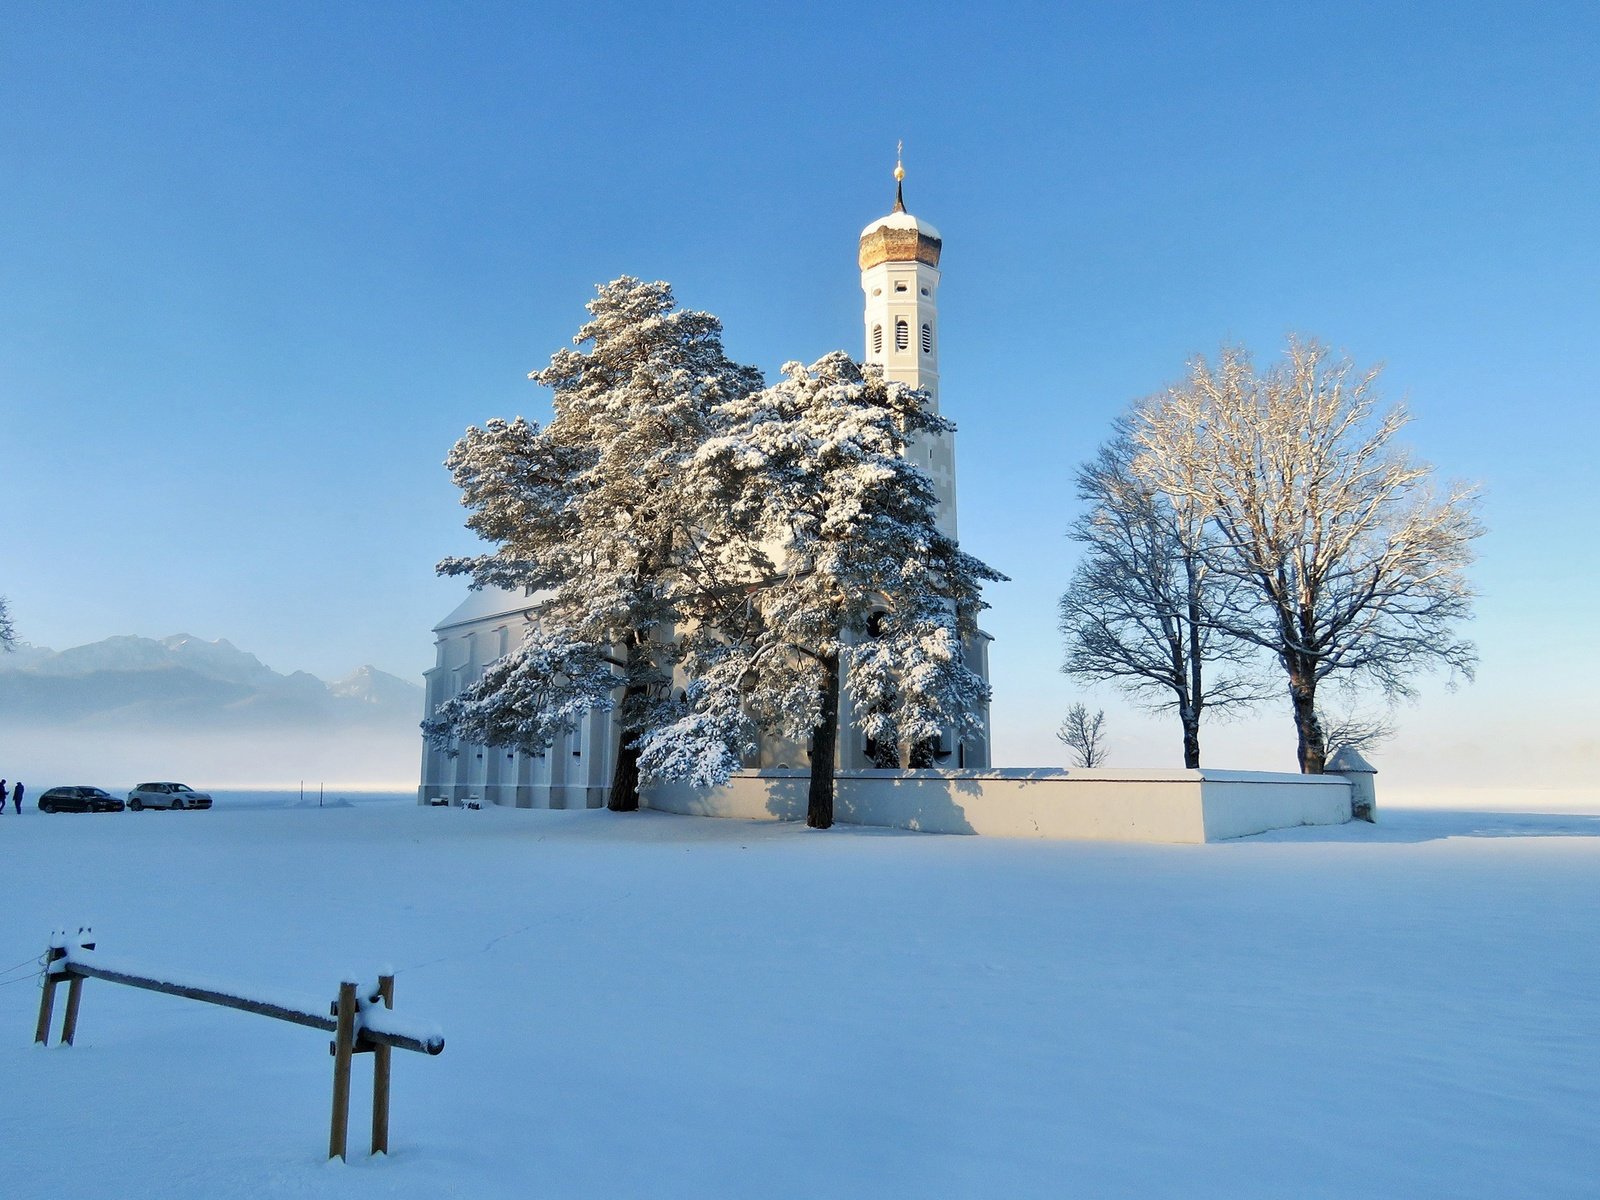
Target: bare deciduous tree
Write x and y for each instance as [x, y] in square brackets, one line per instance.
[1355, 567]
[1138, 612]
[1084, 734]
[7, 633]
[1350, 726]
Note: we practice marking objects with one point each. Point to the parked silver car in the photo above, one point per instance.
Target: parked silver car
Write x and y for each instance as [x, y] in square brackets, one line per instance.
[167, 795]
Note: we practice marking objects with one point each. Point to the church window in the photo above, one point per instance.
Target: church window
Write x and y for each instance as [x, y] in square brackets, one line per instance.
[924, 291]
[927, 338]
[902, 334]
[900, 286]
[877, 339]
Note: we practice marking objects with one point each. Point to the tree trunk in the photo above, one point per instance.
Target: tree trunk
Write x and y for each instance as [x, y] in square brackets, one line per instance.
[1313, 746]
[1190, 705]
[624, 795]
[1191, 742]
[824, 744]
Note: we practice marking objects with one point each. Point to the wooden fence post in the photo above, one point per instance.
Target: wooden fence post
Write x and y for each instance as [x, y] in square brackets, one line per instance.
[380, 1076]
[343, 1046]
[69, 1022]
[47, 998]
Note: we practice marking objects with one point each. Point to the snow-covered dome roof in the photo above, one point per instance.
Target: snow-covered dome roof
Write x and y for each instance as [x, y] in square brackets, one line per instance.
[901, 219]
[899, 237]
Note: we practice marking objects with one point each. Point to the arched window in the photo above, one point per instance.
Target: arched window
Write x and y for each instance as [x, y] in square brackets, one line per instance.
[902, 334]
[927, 338]
[877, 339]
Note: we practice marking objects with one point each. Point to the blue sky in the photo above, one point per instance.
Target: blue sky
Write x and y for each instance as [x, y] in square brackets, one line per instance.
[260, 267]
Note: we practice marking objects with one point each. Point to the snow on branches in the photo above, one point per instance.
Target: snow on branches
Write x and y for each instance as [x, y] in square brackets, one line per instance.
[1349, 562]
[587, 512]
[526, 699]
[831, 528]
[705, 557]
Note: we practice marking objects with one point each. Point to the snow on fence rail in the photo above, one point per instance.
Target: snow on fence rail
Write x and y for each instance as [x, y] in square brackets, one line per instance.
[362, 1020]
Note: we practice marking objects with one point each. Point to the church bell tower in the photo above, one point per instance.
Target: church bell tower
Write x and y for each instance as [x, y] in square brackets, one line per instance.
[899, 259]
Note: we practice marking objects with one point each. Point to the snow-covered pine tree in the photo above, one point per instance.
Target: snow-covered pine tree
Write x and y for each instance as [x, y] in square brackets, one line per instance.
[587, 514]
[845, 578]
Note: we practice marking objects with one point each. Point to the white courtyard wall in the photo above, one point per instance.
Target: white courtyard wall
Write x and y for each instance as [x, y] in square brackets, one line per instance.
[1178, 806]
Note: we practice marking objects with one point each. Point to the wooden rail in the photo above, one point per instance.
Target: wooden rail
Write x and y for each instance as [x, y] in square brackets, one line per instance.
[360, 1023]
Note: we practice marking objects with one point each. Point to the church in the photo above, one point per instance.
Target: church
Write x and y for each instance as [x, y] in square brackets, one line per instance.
[898, 256]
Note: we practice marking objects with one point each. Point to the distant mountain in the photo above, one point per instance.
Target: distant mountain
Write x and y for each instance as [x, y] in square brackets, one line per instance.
[186, 684]
[219, 660]
[378, 688]
[23, 654]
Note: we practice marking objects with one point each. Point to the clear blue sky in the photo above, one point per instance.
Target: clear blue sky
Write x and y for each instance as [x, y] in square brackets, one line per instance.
[260, 265]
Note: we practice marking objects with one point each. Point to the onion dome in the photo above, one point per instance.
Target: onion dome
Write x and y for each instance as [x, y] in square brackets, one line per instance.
[899, 237]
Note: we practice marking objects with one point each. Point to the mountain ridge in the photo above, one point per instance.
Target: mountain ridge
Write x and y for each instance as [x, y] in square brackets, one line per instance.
[188, 683]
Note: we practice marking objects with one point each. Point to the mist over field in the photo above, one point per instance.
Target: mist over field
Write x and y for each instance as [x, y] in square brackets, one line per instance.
[129, 709]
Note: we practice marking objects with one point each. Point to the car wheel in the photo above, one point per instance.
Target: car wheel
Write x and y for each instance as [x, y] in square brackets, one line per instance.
[47, 808]
[177, 805]
[136, 805]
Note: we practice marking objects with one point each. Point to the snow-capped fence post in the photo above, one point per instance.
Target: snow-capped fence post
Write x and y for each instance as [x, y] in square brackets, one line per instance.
[361, 1022]
[380, 1076]
[344, 1045]
[53, 975]
[47, 994]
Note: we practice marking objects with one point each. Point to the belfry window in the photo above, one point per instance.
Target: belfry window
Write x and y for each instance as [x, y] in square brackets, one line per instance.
[927, 338]
[877, 339]
[902, 334]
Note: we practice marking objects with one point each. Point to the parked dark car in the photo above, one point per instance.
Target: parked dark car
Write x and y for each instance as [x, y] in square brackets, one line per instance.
[78, 799]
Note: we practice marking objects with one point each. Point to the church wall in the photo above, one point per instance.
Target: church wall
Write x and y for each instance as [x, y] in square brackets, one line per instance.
[573, 773]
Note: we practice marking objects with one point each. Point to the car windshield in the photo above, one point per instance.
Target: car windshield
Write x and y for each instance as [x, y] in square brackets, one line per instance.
[182, 787]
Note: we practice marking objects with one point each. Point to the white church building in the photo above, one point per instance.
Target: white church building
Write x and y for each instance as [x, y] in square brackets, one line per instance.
[899, 262]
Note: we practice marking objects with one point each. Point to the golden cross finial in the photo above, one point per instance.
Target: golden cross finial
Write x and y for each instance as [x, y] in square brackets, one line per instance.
[899, 154]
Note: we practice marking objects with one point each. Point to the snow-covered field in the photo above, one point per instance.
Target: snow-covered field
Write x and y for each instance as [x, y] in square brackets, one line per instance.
[654, 1005]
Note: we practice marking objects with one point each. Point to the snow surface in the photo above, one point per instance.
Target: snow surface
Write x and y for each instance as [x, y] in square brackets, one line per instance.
[652, 1005]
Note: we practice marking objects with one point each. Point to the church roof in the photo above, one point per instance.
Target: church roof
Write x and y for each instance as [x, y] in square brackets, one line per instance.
[485, 604]
[902, 220]
[899, 237]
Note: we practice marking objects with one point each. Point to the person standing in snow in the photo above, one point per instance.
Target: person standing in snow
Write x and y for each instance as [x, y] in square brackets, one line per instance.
[2, 795]
[16, 798]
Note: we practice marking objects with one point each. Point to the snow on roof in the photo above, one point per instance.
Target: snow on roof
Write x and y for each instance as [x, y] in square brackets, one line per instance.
[903, 220]
[483, 604]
